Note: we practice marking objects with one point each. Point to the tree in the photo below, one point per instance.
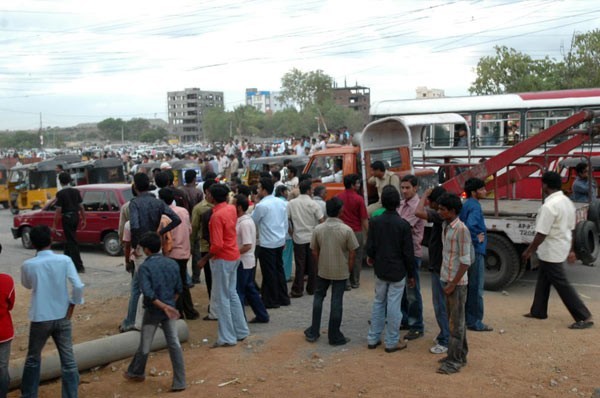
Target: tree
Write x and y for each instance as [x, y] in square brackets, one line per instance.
[304, 89]
[511, 71]
[215, 124]
[111, 128]
[581, 65]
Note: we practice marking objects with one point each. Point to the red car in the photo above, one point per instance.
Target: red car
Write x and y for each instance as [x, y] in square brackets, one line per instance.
[102, 204]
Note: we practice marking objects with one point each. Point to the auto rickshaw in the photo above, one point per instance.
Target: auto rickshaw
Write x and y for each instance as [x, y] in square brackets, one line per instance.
[179, 167]
[100, 171]
[251, 174]
[32, 185]
[4, 196]
[566, 168]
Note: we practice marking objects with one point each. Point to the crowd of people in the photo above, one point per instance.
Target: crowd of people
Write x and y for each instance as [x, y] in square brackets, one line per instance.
[227, 229]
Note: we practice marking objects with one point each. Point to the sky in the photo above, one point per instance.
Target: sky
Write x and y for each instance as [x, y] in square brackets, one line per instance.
[74, 61]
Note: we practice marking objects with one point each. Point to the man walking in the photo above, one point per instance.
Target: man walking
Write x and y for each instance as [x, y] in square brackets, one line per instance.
[472, 216]
[553, 243]
[70, 209]
[47, 275]
[354, 215]
[304, 215]
[333, 244]
[270, 216]
[390, 251]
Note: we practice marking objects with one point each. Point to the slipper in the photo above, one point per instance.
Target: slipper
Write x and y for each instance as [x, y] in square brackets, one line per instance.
[582, 325]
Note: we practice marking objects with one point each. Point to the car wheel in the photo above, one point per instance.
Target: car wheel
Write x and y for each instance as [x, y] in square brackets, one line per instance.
[25, 238]
[5, 205]
[111, 244]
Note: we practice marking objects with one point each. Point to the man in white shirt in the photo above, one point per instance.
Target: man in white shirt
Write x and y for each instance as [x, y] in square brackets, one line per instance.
[304, 215]
[338, 174]
[553, 244]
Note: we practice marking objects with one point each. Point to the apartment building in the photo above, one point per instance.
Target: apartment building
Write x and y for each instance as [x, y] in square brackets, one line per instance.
[265, 101]
[186, 111]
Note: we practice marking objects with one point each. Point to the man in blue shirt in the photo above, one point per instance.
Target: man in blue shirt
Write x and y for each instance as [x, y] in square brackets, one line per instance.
[581, 186]
[270, 216]
[161, 284]
[51, 309]
[472, 215]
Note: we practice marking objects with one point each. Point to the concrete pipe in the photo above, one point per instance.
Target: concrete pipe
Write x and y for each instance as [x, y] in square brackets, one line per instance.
[95, 353]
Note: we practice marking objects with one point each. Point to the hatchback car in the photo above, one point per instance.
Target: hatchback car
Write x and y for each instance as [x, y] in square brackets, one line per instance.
[102, 204]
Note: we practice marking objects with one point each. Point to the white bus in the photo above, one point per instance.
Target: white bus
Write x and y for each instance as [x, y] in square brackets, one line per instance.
[495, 121]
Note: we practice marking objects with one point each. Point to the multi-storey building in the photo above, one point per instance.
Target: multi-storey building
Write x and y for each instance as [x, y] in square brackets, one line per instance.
[186, 111]
[357, 98]
[265, 101]
[424, 92]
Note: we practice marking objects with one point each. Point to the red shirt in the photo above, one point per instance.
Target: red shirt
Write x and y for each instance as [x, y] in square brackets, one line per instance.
[223, 235]
[354, 210]
[7, 301]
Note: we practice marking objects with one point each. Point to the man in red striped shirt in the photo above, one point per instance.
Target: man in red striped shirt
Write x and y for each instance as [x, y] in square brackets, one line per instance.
[224, 258]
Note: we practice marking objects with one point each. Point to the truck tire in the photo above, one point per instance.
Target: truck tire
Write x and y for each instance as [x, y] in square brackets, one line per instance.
[502, 265]
[594, 213]
[586, 242]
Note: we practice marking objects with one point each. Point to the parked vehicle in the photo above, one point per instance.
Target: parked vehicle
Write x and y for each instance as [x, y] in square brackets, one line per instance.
[257, 165]
[100, 171]
[4, 195]
[102, 204]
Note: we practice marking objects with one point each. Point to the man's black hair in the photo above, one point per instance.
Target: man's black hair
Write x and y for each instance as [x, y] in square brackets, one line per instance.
[166, 195]
[473, 184]
[305, 186]
[141, 181]
[210, 175]
[350, 180]
[40, 236]
[242, 201]
[64, 178]
[378, 165]
[552, 180]
[151, 241]
[318, 190]
[219, 192]
[276, 175]
[304, 176]
[161, 179]
[207, 184]
[280, 190]
[287, 161]
[190, 176]
[451, 202]
[436, 193]
[390, 197]
[265, 174]
[244, 190]
[293, 170]
[339, 163]
[171, 176]
[267, 185]
[410, 178]
[333, 206]
[581, 166]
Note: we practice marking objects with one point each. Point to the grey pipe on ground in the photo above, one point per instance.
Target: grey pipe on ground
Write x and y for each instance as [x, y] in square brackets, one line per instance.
[96, 353]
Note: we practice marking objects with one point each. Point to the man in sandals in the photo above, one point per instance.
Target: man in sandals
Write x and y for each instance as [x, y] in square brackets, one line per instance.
[553, 243]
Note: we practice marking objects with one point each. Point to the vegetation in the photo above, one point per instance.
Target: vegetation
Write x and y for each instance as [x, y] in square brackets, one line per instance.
[510, 71]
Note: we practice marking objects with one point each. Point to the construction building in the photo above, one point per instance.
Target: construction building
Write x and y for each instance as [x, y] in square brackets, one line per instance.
[186, 112]
[357, 98]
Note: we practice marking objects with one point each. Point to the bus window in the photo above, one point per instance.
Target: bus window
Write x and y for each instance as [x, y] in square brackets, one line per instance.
[493, 128]
[392, 158]
[540, 120]
[442, 138]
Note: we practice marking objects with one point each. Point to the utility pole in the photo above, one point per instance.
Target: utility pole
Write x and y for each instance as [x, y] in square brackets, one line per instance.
[122, 136]
[41, 132]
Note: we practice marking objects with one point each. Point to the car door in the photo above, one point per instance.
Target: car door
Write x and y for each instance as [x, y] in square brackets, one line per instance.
[96, 207]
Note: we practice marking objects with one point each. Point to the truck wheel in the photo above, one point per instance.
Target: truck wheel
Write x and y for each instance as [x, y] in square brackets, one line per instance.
[502, 265]
[111, 244]
[594, 213]
[25, 238]
[586, 242]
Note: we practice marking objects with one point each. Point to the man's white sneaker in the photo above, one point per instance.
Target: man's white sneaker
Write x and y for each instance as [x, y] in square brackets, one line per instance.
[438, 349]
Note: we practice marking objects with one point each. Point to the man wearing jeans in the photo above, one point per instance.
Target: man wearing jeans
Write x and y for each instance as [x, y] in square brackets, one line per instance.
[390, 250]
[333, 244]
[472, 215]
[161, 284]
[224, 256]
[51, 308]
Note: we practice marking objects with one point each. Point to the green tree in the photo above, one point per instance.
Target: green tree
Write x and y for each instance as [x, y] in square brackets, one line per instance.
[306, 88]
[216, 124]
[111, 128]
[581, 65]
[247, 121]
[511, 71]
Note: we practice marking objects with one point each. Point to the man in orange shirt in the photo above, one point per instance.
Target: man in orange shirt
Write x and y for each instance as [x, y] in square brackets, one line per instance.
[224, 258]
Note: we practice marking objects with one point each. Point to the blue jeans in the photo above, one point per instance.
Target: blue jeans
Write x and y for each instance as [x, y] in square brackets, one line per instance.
[4, 376]
[60, 330]
[439, 307]
[137, 367]
[134, 297]
[226, 302]
[387, 300]
[412, 302]
[335, 313]
[474, 306]
[246, 289]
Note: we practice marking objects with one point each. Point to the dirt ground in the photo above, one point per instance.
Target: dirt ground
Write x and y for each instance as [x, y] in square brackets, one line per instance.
[520, 358]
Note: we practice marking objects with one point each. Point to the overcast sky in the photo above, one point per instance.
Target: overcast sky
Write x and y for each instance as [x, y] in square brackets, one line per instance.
[78, 61]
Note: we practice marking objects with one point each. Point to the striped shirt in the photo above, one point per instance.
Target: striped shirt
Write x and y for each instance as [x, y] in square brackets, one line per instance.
[457, 250]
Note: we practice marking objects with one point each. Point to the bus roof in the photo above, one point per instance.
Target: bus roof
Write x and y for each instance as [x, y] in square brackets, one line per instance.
[533, 100]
